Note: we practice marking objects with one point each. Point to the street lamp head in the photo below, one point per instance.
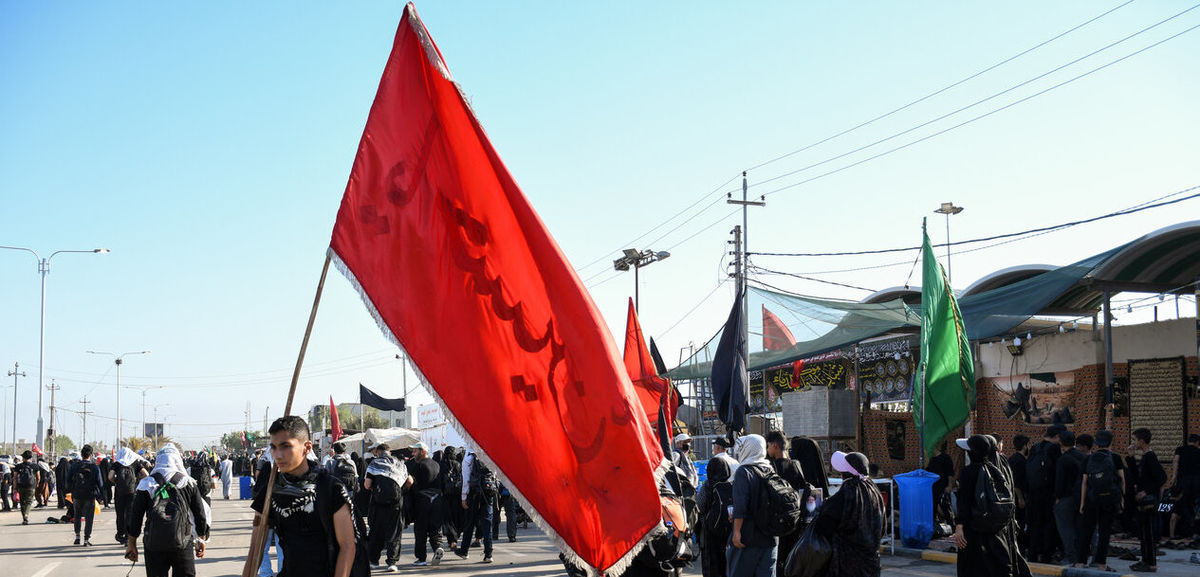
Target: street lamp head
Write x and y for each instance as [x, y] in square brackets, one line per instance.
[621, 264]
[101, 251]
[948, 208]
[661, 255]
[631, 253]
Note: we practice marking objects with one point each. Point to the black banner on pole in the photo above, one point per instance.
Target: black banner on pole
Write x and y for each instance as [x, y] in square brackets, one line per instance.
[370, 399]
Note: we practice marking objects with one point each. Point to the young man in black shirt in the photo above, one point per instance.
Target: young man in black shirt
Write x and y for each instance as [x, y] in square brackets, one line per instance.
[1150, 481]
[85, 486]
[1099, 502]
[309, 510]
[1067, 478]
[427, 506]
[1017, 462]
[1039, 502]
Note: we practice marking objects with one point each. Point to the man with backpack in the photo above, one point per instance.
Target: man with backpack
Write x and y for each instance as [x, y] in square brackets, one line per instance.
[1067, 478]
[1039, 503]
[176, 518]
[201, 471]
[26, 476]
[477, 499]
[386, 480]
[85, 484]
[426, 495]
[342, 468]
[753, 549]
[1100, 494]
[311, 512]
[984, 530]
[790, 470]
[125, 475]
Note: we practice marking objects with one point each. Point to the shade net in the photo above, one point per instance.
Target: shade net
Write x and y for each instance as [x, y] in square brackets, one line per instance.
[784, 327]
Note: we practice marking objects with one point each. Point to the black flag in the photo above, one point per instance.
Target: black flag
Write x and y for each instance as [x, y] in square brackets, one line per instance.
[370, 399]
[730, 382]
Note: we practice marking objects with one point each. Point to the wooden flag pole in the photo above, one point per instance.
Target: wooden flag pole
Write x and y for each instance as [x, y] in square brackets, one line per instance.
[259, 536]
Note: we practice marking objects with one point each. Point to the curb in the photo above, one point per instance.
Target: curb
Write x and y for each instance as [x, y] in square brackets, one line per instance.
[1035, 568]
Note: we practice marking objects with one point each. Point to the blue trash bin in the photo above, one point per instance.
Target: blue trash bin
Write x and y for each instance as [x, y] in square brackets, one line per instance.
[916, 507]
[247, 491]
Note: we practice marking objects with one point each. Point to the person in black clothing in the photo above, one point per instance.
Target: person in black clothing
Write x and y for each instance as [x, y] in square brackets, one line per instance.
[943, 466]
[1068, 475]
[25, 479]
[791, 471]
[1150, 480]
[310, 511]
[1039, 503]
[60, 481]
[426, 495]
[386, 479]
[106, 489]
[124, 477]
[984, 553]
[812, 462]
[165, 549]
[1099, 501]
[713, 501]
[1185, 483]
[450, 478]
[477, 498]
[1017, 462]
[852, 519]
[85, 484]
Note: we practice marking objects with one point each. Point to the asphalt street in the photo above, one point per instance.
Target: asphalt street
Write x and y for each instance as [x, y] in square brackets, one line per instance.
[42, 549]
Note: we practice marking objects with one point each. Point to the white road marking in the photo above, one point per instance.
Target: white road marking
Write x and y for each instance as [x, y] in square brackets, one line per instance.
[47, 569]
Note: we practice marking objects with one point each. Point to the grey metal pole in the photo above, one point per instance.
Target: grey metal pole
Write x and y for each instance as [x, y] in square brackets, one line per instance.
[44, 268]
[16, 372]
[949, 269]
[745, 259]
[118, 445]
[1108, 361]
[636, 298]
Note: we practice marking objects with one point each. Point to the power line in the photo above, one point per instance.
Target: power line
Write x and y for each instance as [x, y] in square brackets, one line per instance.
[941, 90]
[808, 278]
[980, 117]
[1033, 231]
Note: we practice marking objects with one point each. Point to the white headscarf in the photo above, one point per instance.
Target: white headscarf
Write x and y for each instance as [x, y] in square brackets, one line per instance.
[127, 456]
[751, 450]
[167, 462]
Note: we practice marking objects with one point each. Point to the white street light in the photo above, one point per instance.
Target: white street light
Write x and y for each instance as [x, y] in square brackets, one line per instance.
[118, 360]
[638, 259]
[44, 269]
[948, 209]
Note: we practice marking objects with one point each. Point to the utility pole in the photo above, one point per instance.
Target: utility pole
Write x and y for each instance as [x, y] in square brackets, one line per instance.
[745, 243]
[266, 412]
[16, 372]
[737, 257]
[84, 413]
[50, 434]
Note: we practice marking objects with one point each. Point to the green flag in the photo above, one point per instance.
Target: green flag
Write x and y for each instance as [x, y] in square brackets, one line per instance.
[948, 370]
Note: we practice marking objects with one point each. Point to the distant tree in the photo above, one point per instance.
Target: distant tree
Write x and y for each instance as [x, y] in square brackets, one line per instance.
[232, 441]
[348, 415]
[63, 444]
[134, 443]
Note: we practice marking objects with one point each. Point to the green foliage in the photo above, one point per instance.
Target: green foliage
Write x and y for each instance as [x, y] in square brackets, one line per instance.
[63, 444]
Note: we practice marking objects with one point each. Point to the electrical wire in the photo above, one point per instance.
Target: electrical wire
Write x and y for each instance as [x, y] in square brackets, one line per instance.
[1030, 232]
[941, 90]
[980, 117]
[971, 105]
[761, 270]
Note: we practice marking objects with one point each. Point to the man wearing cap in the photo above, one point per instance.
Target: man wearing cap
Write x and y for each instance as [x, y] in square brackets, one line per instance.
[683, 447]
[427, 507]
[720, 449]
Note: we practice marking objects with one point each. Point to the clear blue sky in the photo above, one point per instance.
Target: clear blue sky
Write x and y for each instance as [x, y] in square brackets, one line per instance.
[208, 146]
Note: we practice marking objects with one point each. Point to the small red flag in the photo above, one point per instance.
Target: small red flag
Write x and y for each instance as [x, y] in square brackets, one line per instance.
[639, 364]
[775, 334]
[461, 272]
[336, 427]
[36, 449]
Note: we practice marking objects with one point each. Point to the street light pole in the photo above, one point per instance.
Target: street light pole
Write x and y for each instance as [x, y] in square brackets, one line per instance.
[636, 259]
[16, 372]
[44, 270]
[118, 359]
[948, 209]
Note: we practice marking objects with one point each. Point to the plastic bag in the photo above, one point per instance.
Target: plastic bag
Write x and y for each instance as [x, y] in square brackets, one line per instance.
[810, 556]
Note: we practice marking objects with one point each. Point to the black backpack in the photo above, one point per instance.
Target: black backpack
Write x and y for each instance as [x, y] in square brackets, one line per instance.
[452, 484]
[23, 476]
[385, 490]
[345, 471]
[483, 479]
[716, 517]
[202, 473]
[1103, 485]
[778, 508]
[168, 520]
[1038, 470]
[83, 482]
[994, 503]
[126, 479]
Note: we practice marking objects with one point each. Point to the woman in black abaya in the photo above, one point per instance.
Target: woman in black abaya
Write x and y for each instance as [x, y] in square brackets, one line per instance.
[713, 500]
[852, 520]
[983, 554]
[812, 462]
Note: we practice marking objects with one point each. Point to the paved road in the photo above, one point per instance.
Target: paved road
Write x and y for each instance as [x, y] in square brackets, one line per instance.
[45, 550]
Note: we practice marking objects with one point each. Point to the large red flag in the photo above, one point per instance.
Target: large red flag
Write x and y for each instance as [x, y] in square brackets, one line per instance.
[335, 426]
[776, 336]
[461, 272]
[640, 366]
